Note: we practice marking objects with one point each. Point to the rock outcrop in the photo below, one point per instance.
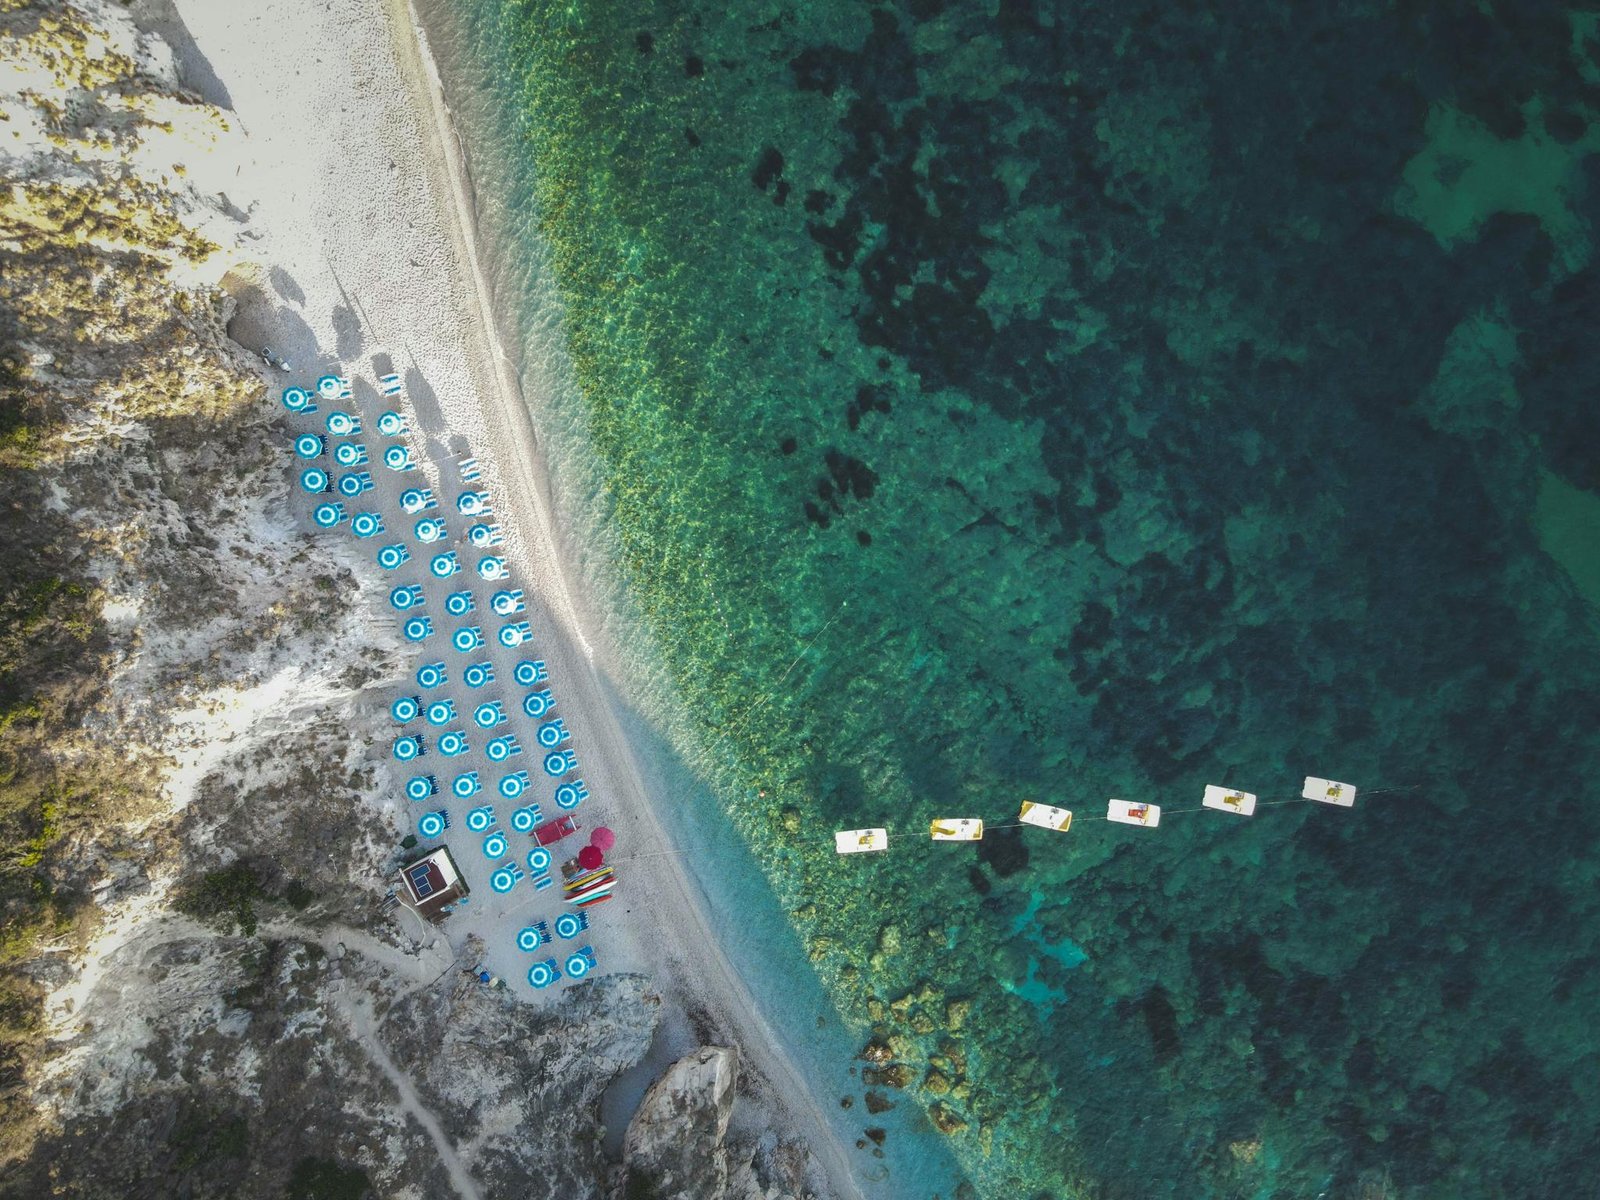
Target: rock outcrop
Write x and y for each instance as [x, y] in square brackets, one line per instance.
[674, 1149]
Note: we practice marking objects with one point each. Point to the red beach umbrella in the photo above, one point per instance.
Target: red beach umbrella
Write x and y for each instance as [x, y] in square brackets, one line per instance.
[590, 857]
[602, 839]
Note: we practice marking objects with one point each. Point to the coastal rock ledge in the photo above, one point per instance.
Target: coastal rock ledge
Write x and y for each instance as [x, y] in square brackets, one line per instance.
[674, 1148]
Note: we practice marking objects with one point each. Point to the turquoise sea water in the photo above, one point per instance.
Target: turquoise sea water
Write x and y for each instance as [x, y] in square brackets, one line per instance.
[1003, 400]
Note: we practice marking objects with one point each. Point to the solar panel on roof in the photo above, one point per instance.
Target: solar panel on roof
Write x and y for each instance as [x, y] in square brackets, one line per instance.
[420, 883]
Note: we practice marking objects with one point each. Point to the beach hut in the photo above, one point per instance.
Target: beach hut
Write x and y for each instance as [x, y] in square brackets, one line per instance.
[570, 924]
[860, 841]
[1125, 812]
[398, 458]
[515, 634]
[570, 795]
[453, 744]
[536, 704]
[492, 568]
[1327, 791]
[406, 596]
[393, 557]
[466, 786]
[366, 524]
[529, 673]
[459, 604]
[442, 566]
[489, 714]
[553, 733]
[1228, 800]
[956, 829]
[328, 514]
[431, 883]
[405, 709]
[467, 639]
[343, 424]
[507, 602]
[478, 675]
[415, 500]
[353, 483]
[389, 385]
[429, 530]
[484, 536]
[513, 785]
[473, 504]
[315, 480]
[421, 787]
[1045, 816]
[501, 748]
[391, 424]
[431, 675]
[559, 762]
[298, 400]
[309, 446]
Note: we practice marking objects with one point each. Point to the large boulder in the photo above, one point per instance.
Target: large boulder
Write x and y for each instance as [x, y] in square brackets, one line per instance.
[674, 1146]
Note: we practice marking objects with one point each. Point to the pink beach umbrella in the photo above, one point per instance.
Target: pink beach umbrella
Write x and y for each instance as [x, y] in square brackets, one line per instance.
[590, 857]
[602, 839]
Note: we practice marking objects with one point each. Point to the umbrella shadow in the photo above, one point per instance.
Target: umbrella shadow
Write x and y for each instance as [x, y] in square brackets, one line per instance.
[258, 321]
[283, 283]
[424, 400]
[348, 339]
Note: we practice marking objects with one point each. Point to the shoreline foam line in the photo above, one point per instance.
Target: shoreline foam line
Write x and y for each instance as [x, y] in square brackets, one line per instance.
[714, 975]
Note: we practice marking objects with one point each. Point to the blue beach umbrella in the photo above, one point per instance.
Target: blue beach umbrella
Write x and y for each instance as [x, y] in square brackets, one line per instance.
[488, 714]
[328, 515]
[342, 424]
[442, 566]
[309, 445]
[415, 500]
[570, 924]
[479, 819]
[405, 709]
[350, 454]
[501, 748]
[430, 529]
[432, 824]
[492, 568]
[505, 603]
[407, 748]
[459, 604]
[453, 744]
[559, 762]
[529, 673]
[467, 639]
[536, 704]
[391, 424]
[524, 819]
[466, 786]
[367, 524]
[543, 974]
[441, 712]
[417, 629]
[353, 483]
[512, 786]
[553, 733]
[406, 595]
[431, 675]
[577, 966]
[420, 787]
[538, 860]
[393, 557]
[328, 387]
[514, 635]
[298, 400]
[478, 674]
[472, 504]
[398, 458]
[530, 938]
[314, 480]
[570, 795]
[503, 880]
[495, 845]
[484, 536]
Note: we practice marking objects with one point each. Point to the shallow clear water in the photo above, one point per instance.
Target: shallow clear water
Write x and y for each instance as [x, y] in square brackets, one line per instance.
[990, 402]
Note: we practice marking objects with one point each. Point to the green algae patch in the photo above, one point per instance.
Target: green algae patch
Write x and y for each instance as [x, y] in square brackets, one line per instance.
[1568, 523]
[1465, 175]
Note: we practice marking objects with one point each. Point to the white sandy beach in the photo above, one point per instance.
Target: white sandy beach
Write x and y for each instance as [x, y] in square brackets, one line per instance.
[361, 244]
